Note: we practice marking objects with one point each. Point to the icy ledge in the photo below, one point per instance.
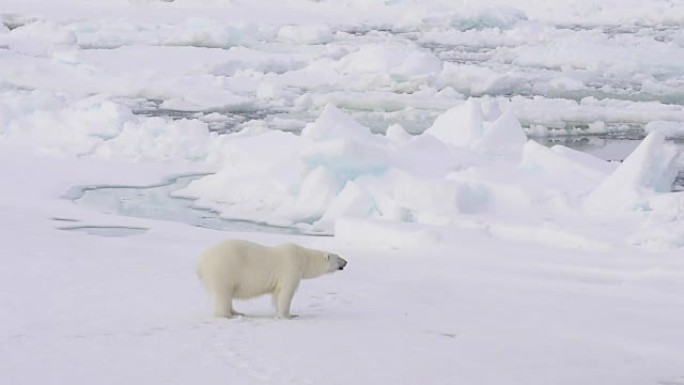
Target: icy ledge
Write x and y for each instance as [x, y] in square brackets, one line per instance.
[474, 167]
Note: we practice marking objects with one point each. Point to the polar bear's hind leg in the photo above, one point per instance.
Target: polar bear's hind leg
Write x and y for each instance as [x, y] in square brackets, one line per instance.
[223, 306]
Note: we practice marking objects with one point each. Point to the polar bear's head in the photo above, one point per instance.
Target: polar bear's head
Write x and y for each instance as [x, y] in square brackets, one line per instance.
[318, 262]
[335, 262]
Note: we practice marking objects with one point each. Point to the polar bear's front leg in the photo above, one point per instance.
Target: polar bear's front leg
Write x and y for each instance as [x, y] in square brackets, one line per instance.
[282, 298]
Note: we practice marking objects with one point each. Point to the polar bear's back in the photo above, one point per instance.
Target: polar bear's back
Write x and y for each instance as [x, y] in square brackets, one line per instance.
[242, 254]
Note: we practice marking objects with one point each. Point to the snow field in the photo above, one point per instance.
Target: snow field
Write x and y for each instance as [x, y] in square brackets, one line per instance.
[131, 309]
[398, 128]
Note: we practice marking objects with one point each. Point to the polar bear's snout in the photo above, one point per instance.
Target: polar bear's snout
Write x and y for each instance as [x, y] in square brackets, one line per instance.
[335, 262]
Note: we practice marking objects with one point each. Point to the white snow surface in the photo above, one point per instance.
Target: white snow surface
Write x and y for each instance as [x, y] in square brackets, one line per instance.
[415, 304]
[398, 128]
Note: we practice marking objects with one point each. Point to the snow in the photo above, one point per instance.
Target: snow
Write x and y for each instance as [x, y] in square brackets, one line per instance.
[132, 309]
[404, 135]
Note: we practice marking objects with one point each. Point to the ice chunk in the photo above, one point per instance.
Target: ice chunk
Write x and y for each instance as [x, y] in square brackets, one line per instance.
[397, 133]
[348, 158]
[505, 134]
[486, 129]
[78, 128]
[590, 164]
[351, 202]
[459, 126]
[259, 177]
[399, 61]
[39, 38]
[335, 124]
[650, 169]
[301, 176]
[561, 161]
[159, 139]
[491, 110]
[343, 145]
[317, 190]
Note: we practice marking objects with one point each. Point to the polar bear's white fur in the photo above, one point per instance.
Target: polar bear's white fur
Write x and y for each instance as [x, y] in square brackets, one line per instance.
[237, 269]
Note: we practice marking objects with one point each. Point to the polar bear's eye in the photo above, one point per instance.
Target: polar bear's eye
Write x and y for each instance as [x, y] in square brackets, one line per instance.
[327, 256]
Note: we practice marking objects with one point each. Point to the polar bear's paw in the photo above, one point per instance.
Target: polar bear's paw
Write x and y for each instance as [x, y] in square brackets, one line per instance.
[228, 314]
[286, 316]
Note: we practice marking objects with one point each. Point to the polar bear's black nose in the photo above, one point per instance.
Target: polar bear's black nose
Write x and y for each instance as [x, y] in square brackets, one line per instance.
[343, 263]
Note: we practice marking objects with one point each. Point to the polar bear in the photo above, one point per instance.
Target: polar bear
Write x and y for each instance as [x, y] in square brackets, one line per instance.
[238, 269]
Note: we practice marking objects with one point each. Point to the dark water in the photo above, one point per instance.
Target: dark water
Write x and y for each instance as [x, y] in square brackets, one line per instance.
[107, 231]
[611, 149]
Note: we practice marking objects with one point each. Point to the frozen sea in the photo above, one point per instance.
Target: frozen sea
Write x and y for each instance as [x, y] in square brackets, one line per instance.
[504, 178]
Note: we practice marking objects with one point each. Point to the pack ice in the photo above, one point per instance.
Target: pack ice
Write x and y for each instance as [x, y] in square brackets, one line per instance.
[473, 167]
